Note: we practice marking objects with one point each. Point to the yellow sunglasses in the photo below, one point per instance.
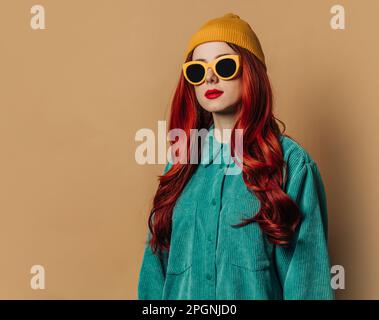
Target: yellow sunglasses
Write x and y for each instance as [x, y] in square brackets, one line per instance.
[225, 67]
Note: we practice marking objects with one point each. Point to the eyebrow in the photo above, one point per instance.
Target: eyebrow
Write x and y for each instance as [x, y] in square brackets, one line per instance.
[222, 54]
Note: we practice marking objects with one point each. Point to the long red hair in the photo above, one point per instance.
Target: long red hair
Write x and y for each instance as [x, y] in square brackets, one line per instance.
[263, 162]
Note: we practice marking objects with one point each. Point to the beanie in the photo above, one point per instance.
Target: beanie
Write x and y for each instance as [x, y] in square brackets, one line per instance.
[229, 28]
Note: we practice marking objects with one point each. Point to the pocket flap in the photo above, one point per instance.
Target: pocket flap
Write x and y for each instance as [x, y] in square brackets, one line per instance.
[252, 264]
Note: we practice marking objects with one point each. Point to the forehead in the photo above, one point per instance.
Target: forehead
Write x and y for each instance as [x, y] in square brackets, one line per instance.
[209, 50]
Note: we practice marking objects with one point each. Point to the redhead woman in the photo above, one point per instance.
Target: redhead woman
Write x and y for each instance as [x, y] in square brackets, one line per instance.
[257, 233]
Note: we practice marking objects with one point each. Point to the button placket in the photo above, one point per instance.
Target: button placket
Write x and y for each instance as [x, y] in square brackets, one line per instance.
[213, 230]
[217, 169]
[222, 174]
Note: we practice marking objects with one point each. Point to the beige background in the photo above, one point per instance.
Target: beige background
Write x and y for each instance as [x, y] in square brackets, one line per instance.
[73, 198]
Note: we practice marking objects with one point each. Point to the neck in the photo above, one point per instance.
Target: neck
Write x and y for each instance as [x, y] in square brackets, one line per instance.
[223, 125]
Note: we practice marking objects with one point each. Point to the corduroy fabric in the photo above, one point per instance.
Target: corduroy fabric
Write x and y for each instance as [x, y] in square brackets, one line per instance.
[209, 259]
[228, 28]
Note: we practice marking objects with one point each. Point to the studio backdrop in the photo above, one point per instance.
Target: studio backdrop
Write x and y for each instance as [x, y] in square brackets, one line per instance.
[79, 79]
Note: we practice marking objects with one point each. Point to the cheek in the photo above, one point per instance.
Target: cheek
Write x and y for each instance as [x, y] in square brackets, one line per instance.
[199, 91]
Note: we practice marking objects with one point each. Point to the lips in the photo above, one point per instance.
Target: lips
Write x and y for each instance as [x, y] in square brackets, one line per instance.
[213, 94]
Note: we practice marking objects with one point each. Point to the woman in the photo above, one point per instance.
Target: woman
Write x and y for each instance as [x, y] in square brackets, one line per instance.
[259, 234]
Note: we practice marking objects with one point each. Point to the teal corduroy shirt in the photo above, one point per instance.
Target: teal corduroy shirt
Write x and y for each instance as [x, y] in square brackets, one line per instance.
[209, 259]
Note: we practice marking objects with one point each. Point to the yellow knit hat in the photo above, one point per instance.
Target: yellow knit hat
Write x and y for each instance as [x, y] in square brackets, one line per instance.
[229, 28]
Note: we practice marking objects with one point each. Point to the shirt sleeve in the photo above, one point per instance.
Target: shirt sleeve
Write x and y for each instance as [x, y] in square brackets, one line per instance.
[304, 267]
[153, 269]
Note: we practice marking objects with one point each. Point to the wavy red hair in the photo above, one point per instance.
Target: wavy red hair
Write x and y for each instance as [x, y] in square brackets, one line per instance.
[263, 162]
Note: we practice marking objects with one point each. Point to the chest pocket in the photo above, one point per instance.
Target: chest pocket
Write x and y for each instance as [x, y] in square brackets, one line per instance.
[182, 237]
[248, 249]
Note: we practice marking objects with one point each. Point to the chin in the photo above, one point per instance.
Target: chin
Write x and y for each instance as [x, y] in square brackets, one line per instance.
[216, 108]
[214, 105]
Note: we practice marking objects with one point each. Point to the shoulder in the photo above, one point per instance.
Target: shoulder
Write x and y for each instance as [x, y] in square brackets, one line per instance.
[303, 182]
[293, 150]
[297, 158]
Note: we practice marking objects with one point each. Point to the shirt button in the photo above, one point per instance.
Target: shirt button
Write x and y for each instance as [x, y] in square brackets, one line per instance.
[209, 238]
[209, 276]
[213, 201]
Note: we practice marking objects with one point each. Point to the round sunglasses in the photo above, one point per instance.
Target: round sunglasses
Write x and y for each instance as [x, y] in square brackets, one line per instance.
[225, 67]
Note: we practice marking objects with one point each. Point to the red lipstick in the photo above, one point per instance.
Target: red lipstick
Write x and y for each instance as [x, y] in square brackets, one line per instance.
[213, 94]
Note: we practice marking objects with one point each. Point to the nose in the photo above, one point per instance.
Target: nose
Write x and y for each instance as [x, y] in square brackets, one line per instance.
[210, 76]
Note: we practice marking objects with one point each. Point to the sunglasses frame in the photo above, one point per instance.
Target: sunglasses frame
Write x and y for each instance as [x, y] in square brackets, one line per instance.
[212, 65]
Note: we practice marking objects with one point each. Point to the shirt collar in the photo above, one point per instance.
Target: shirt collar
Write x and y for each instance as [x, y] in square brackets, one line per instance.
[211, 150]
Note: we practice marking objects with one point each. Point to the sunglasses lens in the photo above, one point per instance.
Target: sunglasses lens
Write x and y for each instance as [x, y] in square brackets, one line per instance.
[226, 67]
[195, 72]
